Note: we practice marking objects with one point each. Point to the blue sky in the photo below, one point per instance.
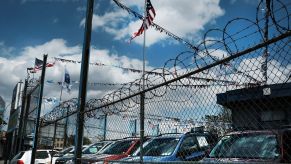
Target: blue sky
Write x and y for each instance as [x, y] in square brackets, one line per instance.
[34, 22]
[30, 28]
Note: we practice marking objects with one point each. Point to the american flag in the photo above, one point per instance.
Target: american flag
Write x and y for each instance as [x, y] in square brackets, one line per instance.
[150, 15]
[38, 65]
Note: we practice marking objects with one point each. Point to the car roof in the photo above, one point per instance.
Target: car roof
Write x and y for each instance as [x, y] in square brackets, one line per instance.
[273, 131]
[170, 135]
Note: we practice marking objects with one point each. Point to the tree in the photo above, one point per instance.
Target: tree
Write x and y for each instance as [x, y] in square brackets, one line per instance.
[71, 140]
[86, 141]
[220, 123]
[2, 123]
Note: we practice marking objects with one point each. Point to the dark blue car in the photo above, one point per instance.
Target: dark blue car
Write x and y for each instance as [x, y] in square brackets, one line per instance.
[176, 147]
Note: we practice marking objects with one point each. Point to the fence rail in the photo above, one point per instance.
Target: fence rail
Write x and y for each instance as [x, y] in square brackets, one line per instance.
[238, 80]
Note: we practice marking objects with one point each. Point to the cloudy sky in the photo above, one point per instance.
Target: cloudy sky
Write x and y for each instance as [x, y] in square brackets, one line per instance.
[31, 28]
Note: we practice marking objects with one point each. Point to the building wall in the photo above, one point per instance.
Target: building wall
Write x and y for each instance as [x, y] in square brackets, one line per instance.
[2, 108]
[59, 143]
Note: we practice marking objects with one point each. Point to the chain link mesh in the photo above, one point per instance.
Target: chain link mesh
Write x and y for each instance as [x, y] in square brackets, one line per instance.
[236, 88]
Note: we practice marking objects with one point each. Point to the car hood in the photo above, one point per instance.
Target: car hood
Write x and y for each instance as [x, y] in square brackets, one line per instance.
[236, 160]
[42, 160]
[148, 158]
[69, 157]
[103, 157]
[66, 157]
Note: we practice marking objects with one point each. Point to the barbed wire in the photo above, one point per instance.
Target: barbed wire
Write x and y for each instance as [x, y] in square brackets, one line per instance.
[202, 60]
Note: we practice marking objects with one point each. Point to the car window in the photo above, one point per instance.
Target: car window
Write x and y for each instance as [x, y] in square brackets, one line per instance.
[52, 153]
[262, 146]
[66, 150]
[117, 147]
[287, 147]
[135, 147]
[189, 143]
[41, 155]
[159, 147]
[105, 146]
[202, 141]
[93, 149]
[18, 156]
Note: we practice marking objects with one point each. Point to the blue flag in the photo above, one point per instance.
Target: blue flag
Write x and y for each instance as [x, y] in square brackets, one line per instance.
[67, 80]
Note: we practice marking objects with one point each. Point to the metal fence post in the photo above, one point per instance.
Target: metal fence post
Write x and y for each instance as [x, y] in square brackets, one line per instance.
[39, 110]
[83, 82]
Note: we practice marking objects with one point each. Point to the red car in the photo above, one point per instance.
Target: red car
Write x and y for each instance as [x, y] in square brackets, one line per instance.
[115, 151]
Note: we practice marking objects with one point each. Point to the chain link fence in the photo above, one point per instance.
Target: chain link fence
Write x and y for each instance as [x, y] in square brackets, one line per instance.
[230, 94]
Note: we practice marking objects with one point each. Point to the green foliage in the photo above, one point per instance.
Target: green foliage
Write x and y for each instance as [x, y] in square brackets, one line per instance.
[71, 140]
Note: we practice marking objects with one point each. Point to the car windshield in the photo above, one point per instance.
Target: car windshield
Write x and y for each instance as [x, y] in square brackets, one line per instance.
[73, 150]
[66, 150]
[250, 146]
[159, 147]
[118, 147]
[41, 155]
[93, 149]
[18, 156]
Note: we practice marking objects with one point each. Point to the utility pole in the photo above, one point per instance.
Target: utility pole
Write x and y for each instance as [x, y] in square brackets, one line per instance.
[142, 95]
[20, 129]
[65, 127]
[54, 138]
[105, 126]
[266, 38]
[83, 82]
[39, 110]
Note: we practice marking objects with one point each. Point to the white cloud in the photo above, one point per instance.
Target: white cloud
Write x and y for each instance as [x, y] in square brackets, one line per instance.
[13, 70]
[182, 17]
[6, 51]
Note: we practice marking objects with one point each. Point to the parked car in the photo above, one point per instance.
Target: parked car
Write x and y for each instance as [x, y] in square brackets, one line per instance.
[267, 146]
[87, 150]
[191, 146]
[24, 157]
[61, 153]
[117, 150]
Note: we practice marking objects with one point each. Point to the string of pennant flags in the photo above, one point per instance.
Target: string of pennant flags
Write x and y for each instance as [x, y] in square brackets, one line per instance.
[140, 71]
[121, 84]
[57, 59]
[37, 67]
[156, 27]
[137, 84]
[102, 64]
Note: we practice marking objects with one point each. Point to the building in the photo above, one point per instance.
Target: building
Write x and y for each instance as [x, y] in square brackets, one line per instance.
[261, 107]
[24, 140]
[2, 110]
[59, 143]
[13, 122]
[2, 133]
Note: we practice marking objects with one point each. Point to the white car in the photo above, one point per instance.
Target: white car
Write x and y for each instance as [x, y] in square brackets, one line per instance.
[61, 153]
[24, 157]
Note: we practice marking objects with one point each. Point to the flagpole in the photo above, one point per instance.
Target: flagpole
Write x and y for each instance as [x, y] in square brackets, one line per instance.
[36, 131]
[55, 125]
[142, 96]
[66, 121]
